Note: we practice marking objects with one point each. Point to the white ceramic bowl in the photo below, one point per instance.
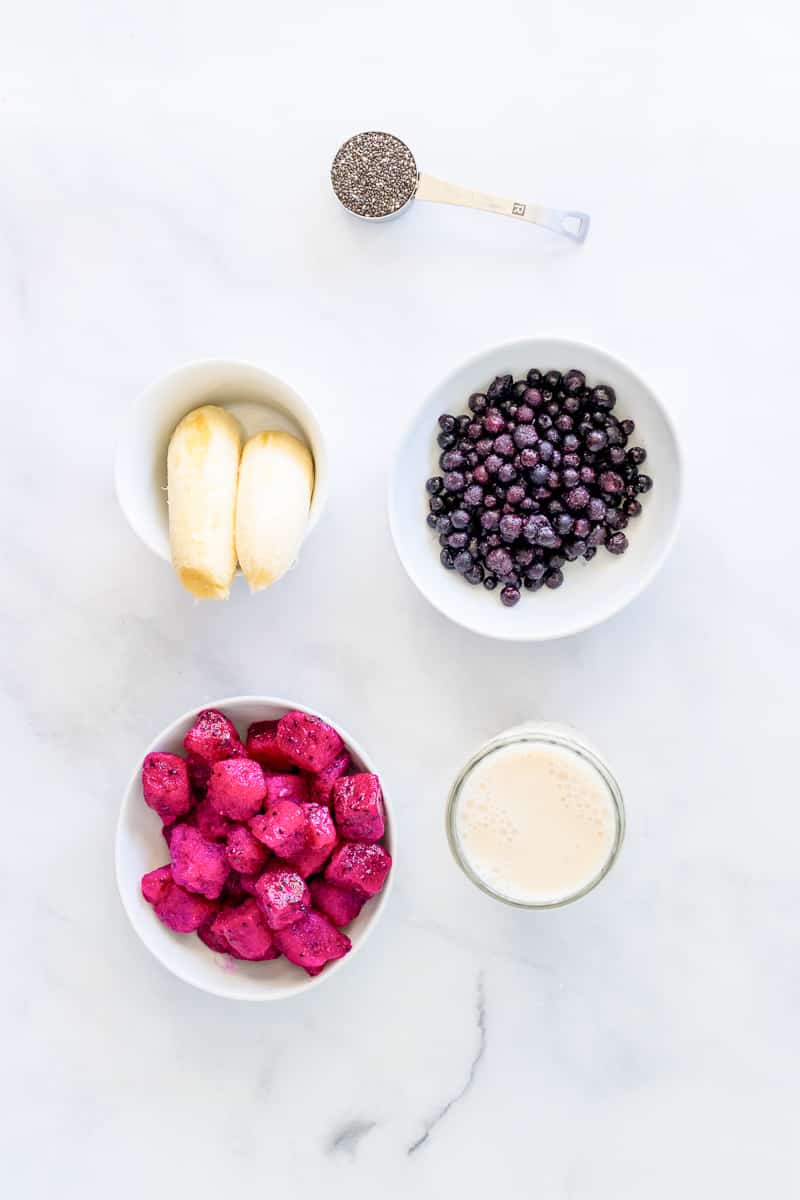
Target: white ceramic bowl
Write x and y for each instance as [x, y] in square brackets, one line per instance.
[592, 591]
[140, 848]
[257, 399]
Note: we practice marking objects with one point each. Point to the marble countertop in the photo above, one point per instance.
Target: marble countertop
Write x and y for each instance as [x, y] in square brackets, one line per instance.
[164, 197]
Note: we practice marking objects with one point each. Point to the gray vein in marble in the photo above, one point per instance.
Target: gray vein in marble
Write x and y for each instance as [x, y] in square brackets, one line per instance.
[348, 1138]
[440, 1114]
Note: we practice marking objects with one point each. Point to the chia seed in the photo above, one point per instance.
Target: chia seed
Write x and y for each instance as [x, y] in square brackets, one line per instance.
[374, 174]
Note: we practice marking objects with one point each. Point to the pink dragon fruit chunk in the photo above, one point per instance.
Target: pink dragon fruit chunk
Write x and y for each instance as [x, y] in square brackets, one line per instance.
[307, 741]
[248, 882]
[338, 904]
[286, 787]
[262, 745]
[358, 807]
[322, 783]
[312, 942]
[283, 896]
[213, 737]
[362, 868]
[165, 786]
[319, 840]
[155, 884]
[282, 827]
[211, 823]
[247, 933]
[236, 788]
[198, 864]
[210, 933]
[246, 854]
[182, 911]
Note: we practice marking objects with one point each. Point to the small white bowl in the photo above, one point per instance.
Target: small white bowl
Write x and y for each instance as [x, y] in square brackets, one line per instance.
[257, 399]
[141, 847]
[592, 591]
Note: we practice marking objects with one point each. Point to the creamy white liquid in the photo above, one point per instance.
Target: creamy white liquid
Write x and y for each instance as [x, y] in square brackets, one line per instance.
[535, 822]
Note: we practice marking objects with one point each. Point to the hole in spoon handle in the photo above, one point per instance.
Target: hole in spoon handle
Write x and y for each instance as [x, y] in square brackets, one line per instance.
[574, 225]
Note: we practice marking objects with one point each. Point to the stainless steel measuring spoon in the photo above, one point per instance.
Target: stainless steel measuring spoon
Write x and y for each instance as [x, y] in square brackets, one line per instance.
[375, 176]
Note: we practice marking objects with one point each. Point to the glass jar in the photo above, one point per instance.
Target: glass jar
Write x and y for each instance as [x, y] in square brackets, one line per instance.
[563, 738]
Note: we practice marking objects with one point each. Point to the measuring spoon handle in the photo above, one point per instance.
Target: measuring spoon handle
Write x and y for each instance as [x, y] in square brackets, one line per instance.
[574, 225]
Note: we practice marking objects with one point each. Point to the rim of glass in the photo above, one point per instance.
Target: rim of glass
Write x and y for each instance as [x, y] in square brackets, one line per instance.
[540, 737]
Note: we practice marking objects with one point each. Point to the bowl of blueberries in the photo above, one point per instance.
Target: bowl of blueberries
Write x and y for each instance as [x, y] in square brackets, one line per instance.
[537, 491]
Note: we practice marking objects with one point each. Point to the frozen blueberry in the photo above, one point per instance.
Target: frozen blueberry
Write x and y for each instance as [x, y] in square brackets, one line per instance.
[499, 562]
[453, 460]
[637, 455]
[434, 485]
[554, 579]
[617, 543]
[510, 528]
[475, 574]
[446, 559]
[504, 445]
[603, 397]
[454, 482]
[596, 509]
[525, 436]
[643, 483]
[577, 498]
[473, 495]
[596, 440]
[507, 473]
[477, 402]
[573, 382]
[498, 387]
[611, 482]
[627, 426]
[632, 508]
[510, 596]
[489, 582]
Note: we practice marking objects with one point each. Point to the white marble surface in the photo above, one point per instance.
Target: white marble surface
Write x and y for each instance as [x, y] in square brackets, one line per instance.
[163, 196]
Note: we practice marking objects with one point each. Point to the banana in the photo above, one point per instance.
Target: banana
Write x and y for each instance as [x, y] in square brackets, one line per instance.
[202, 473]
[276, 480]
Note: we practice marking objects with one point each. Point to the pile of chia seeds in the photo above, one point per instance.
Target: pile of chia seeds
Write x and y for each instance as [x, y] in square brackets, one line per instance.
[374, 174]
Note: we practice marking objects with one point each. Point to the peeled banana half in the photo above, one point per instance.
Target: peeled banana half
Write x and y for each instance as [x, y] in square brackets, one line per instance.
[276, 482]
[202, 474]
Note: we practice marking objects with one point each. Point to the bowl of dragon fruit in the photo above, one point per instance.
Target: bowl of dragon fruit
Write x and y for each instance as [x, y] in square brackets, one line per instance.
[254, 848]
[537, 490]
